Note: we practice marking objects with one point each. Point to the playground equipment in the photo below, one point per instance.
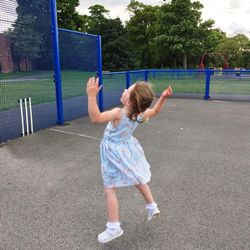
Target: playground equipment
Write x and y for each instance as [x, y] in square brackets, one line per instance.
[225, 64]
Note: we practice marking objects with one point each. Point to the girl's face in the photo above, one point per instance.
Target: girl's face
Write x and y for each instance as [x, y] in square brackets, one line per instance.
[125, 99]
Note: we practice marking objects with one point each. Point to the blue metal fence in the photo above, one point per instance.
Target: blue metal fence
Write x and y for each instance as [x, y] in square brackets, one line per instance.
[57, 67]
[206, 84]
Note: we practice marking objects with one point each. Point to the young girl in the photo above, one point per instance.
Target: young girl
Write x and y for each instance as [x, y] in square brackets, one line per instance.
[123, 162]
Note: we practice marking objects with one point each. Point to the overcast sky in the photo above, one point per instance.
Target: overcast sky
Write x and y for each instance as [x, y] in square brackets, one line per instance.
[232, 16]
[7, 14]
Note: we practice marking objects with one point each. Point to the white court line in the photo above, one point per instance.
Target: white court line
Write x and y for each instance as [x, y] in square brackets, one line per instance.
[71, 133]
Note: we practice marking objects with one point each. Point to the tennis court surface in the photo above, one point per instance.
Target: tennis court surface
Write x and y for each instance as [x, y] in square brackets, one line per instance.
[51, 193]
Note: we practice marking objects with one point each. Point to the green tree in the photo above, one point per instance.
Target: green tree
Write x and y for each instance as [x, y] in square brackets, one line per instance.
[237, 49]
[98, 16]
[67, 16]
[26, 41]
[115, 45]
[116, 48]
[29, 34]
[180, 30]
[214, 37]
[210, 39]
[141, 31]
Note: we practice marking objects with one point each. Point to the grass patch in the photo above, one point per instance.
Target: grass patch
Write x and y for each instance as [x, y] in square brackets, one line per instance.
[39, 85]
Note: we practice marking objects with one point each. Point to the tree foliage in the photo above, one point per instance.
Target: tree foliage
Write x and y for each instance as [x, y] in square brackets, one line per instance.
[25, 39]
[116, 49]
[180, 30]
[170, 35]
[30, 32]
[67, 16]
[141, 31]
[237, 49]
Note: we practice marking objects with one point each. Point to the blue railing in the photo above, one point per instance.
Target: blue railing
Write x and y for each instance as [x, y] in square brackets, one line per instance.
[198, 81]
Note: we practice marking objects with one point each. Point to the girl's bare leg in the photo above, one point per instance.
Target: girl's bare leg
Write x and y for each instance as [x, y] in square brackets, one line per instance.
[151, 206]
[146, 192]
[113, 229]
[112, 204]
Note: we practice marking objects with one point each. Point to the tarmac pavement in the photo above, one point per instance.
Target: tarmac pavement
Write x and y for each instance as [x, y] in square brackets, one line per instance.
[51, 194]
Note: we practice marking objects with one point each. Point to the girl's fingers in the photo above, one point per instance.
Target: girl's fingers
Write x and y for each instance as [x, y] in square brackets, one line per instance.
[170, 90]
[93, 81]
[97, 81]
[93, 85]
[89, 82]
[167, 92]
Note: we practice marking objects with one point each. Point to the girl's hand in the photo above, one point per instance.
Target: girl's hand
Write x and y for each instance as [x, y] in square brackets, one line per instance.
[93, 86]
[167, 92]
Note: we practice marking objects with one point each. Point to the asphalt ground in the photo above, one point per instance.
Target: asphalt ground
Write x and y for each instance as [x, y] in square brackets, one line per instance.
[51, 194]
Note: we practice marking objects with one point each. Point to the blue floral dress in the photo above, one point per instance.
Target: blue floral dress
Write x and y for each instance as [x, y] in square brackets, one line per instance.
[123, 162]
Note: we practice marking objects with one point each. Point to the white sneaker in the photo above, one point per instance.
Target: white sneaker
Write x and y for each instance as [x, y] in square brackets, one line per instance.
[108, 235]
[153, 213]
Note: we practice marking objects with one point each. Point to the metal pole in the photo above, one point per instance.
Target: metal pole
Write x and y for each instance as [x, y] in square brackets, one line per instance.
[31, 116]
[99, 54]
[207, 89]
[127, 80]
[57, 75]
[21, 110]
[146, 75]
[76, 32]
[27, 116]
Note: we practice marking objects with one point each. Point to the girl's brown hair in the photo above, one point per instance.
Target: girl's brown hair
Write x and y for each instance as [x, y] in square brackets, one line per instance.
[141, 97]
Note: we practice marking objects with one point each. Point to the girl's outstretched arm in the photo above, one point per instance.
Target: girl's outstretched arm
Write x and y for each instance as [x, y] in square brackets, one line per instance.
[94, 113]
[149, 113]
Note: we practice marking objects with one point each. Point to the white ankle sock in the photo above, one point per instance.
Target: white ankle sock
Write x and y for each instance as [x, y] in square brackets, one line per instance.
[113, 225]
[151, 205]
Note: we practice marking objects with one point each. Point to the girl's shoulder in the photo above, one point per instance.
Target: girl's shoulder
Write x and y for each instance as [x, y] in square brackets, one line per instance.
[118, 114]
[117, 110]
